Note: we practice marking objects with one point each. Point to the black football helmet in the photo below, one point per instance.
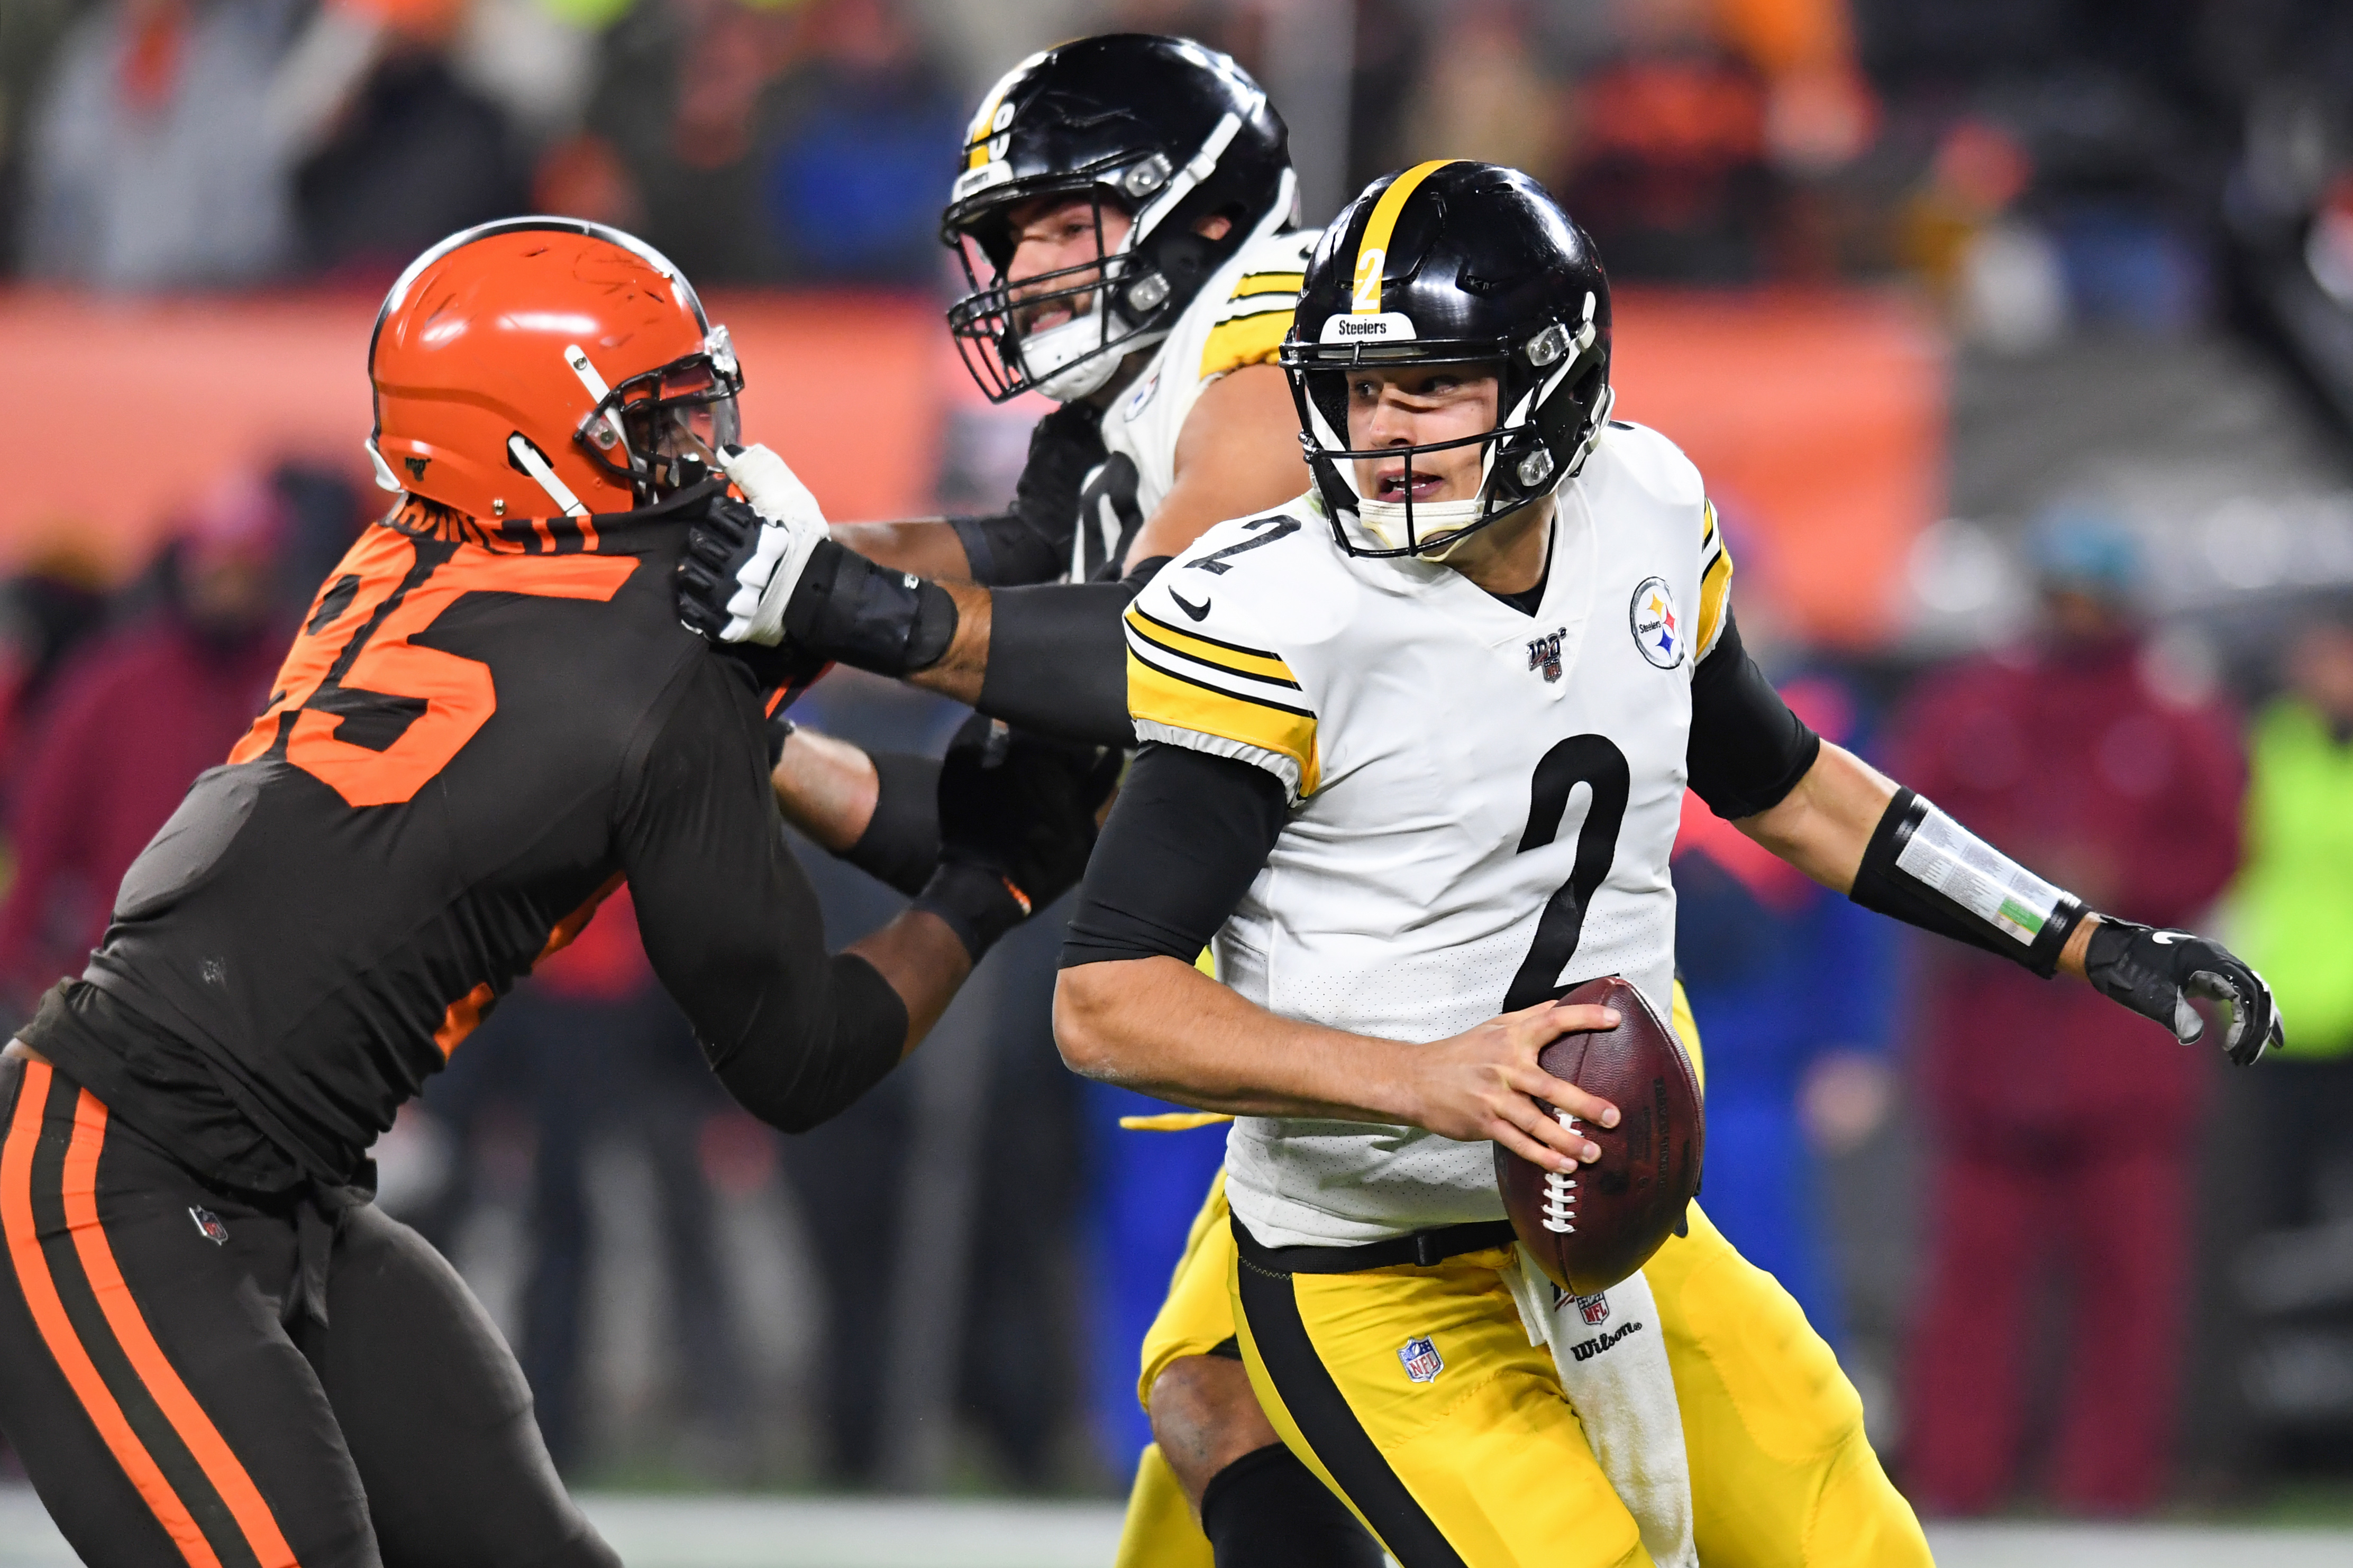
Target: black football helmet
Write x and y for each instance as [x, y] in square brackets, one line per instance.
[1166, 129]
[1453, 262]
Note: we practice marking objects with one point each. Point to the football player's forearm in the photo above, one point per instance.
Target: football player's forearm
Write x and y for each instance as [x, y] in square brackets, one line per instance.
[921, 959]
[827, 788]
[1161, 1027]
[959, 672]
[928, 547]
[1840, 826]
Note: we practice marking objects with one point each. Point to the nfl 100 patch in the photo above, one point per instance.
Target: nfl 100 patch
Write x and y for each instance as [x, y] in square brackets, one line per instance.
[1423, 1361]
[1658, 625]
[1543, 653]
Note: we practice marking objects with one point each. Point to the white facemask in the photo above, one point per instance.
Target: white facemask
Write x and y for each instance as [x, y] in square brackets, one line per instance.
[1385, 521]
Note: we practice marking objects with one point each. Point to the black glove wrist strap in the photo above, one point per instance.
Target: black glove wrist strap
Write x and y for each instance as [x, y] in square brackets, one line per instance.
[2109, 965]
[1956, 885]
[978, 904]
[846, 607]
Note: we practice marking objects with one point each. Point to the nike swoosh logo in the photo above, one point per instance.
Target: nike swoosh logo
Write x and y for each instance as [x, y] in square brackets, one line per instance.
[2167, 937]
[1197, 612]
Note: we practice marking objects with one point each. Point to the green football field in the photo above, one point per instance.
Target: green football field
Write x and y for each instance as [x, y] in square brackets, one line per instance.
[809, 1533]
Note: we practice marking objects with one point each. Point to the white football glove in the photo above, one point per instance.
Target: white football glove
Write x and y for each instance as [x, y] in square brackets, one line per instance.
[748, 573]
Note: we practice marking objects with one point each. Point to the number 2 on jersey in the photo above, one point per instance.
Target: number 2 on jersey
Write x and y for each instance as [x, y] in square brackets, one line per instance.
[1595, 762]
[372, 714]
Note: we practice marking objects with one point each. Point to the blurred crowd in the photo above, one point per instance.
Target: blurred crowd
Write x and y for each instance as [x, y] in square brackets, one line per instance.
[945, 1286]
[2037, 163]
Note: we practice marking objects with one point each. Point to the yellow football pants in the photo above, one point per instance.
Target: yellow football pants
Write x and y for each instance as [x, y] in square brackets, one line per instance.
[1781, 1474]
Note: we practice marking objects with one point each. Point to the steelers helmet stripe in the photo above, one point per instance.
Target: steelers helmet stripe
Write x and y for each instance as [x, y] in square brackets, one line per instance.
[1373, 247]
[983, 127]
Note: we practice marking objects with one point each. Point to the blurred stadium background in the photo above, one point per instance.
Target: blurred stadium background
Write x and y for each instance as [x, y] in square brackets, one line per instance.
[2016, 339]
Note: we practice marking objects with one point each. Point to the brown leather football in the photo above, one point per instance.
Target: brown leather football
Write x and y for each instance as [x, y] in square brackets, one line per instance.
[1592, 1227]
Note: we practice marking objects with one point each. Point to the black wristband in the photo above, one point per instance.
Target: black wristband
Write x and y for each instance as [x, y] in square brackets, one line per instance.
[846, 607]
[979, 905]
[2018, 933]
[901, 845]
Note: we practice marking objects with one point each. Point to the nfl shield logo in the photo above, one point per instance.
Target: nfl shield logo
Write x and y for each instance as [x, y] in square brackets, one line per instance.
[1594, 1310]
[209, 1226]
[1423, 1361]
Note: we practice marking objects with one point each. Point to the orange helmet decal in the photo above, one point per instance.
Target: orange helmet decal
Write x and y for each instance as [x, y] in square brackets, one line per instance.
[543, 365]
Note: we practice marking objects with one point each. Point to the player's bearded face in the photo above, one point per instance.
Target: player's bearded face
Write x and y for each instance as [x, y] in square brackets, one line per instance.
[1417, 408]
[1050, 235]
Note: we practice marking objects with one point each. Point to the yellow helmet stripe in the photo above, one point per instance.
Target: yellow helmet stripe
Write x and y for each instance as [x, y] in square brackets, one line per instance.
[1373, 249]
[983, 127]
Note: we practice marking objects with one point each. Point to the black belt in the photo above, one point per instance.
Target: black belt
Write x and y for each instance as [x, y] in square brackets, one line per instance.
[1422, 1249]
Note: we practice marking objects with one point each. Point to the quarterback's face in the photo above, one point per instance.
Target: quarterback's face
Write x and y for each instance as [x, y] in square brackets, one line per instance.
[1405, 407]
[1051, 235]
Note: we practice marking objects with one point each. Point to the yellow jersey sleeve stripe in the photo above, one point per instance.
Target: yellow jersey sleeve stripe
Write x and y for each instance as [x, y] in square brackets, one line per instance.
[1229, 656]
[1707, 529]
[1250, 340]
[1714, 596]
[1373, 249]
[1173, 1121]
[1161, 697]
[1269, 284]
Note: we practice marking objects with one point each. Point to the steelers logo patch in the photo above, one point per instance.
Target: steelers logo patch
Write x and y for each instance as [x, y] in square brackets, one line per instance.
[1658, 625]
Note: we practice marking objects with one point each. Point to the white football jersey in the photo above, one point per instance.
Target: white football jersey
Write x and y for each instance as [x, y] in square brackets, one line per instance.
[1484, 801]
[1239, 318]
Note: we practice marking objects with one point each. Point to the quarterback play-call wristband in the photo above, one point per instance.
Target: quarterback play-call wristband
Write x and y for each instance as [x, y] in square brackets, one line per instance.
[1925, 870]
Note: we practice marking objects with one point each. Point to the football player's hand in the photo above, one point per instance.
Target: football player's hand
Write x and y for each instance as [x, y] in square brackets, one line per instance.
[2156, 974]
[744, 561]
[1016, 824]
[1484, 1084]
[1022, 806]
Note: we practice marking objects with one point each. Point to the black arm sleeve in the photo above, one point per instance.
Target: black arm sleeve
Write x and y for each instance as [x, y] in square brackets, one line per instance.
[1005, 550]
[1746, 750]
[1058, 658]
[1186, 839]
[1031, 543]
[901, 845]
[731, 924]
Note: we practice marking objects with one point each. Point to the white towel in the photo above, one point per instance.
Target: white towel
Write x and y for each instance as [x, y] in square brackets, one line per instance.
[1613, 1356]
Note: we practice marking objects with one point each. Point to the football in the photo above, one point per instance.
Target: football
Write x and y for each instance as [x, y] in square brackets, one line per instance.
[1592, 1227]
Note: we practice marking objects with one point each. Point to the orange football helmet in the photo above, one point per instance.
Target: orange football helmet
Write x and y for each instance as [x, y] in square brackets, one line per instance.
[539, 365]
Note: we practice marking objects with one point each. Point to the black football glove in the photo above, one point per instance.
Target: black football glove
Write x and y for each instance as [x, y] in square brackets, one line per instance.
[1017, 825]
[2155, 973]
